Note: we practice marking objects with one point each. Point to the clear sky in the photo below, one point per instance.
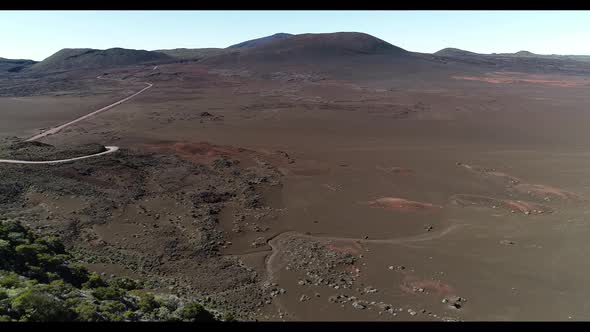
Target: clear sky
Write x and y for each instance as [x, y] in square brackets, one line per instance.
[38, 34]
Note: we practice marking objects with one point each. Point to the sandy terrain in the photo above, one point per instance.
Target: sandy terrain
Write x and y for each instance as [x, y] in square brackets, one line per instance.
[376, 216]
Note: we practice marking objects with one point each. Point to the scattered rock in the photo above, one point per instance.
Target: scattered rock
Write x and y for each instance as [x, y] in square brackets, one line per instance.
[358, 305]
[303, 298]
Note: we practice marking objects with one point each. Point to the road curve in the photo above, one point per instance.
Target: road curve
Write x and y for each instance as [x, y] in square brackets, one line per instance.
[110, 149]
[275, 248]
[84, 117]
[55, 130]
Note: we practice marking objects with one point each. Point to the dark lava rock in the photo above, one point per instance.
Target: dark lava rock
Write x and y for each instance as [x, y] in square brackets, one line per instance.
[211, 197]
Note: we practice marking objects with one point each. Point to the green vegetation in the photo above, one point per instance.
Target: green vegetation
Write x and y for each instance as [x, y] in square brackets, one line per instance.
[40, 283]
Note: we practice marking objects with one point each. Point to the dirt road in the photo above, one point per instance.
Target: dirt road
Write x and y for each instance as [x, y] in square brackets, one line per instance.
[55, 130]
[110, 149]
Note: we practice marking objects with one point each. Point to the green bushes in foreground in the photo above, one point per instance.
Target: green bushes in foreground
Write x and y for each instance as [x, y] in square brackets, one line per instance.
[40, 283]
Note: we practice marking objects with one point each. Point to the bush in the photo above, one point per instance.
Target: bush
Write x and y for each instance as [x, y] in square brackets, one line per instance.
[229, 317]
[94, 281]
[196, 313]
[124, 283]
[130, 315]
[52, 243]
[79, 275]
[108, 293]
[35, 306]
[28, 252]
[10, 280]
[87, 312]
[112, 311]
[147, 302]
[5, 249]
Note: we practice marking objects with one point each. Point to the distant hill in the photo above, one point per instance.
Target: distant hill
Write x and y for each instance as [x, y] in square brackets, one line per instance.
[525, 53]
[524, 61]
[14, 65]
[451, 52]
[85, 58]
[192, 53]
[310, 48]
[261, 41]
[455, 52]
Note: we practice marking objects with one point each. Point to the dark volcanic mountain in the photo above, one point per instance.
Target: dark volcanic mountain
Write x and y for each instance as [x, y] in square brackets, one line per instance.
[14, 65]
[192, 53]
[261, 41]
[68, 59]
[311, 48]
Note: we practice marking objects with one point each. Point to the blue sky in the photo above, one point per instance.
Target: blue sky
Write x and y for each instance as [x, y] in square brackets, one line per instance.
[38, 34]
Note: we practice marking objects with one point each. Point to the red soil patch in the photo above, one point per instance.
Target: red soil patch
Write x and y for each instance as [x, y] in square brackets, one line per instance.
[412, 285]
[490, 202]
[353, 249]
[493, 173]
[203, 152]
[401, 204]
[206, 153]
[547, 192]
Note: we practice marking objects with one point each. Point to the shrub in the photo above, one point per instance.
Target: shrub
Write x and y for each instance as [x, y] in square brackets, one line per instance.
[147, 302]
[94, 281]
[87, 312]
[10, 280]
[196, 312]
[5, 248]
[35, 306]
[78, 275]
[112, 311]
[29, 252]
[130, 315]
[52, 243]
[124, 283]
[108, 293]
[229, 317]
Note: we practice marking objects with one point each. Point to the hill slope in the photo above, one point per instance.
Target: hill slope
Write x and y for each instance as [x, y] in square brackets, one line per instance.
[261, 41]
[14, 65]
[192, 53]
[85, 58]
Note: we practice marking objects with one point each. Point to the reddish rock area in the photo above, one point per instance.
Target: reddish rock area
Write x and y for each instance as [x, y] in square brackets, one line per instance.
[402, 204]
[413, 285]
[510, 205]
[546, 192]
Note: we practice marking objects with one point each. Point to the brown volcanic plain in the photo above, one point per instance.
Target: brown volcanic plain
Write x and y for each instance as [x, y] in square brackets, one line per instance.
[322, 177]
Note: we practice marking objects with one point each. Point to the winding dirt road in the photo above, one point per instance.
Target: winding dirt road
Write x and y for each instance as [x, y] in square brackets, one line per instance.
[55, 130]
[275, 248]
[110, 149]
